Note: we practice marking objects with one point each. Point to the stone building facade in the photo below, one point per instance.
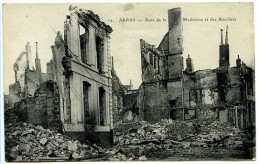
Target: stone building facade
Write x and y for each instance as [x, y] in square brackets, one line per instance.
[169, 91]
[87, 79]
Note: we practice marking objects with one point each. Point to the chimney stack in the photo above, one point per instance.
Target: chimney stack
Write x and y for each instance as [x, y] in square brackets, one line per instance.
[189, 64]
[37, 57]
[238, 61]
[131, 86]
[37, 60]
[221, 43]
[224, 51]
[174, 17]
[226, 40]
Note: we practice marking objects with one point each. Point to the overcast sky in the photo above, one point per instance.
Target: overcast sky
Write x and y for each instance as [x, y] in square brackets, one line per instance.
[24, 23]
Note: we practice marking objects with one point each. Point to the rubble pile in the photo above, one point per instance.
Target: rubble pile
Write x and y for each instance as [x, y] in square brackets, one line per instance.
[25, 142]
[169, 133]
[132, 141]
[162, 132]
[217, 134]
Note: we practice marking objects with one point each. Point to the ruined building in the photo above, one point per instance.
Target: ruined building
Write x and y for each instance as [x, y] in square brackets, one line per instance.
[34, 95]
[27, 78]
[169, 91]
[87, 85]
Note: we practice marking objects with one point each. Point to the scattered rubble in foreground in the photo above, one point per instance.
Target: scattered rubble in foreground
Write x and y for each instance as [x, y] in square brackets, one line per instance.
[185, 133]
[132, 141]
[25, 142]
[180, 140]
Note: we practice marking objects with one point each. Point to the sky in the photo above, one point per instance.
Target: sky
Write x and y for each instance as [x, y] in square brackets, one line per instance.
[32, 23]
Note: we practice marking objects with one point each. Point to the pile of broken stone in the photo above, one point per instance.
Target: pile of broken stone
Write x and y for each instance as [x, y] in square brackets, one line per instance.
[25, 142]
[132, 141]
[168, 134]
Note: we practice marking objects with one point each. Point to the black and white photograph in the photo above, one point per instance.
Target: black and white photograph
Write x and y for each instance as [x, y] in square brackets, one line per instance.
[129, 82]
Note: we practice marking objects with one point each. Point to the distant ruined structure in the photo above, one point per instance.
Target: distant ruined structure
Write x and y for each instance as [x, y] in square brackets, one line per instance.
[169, 91]
[27, 78]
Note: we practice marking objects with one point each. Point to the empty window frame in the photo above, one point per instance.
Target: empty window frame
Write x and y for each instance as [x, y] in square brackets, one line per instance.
[100, 54]
[84, 44]
[151, 58]
[155, 62]
[89, 120]
[102, 106]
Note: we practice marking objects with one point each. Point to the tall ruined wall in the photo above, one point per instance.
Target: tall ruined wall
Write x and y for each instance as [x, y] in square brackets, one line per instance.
[166, 64]
[96, 71]
[58, 52]
[87, 69]
[154, 101]
[175, 31]
[175, 59]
